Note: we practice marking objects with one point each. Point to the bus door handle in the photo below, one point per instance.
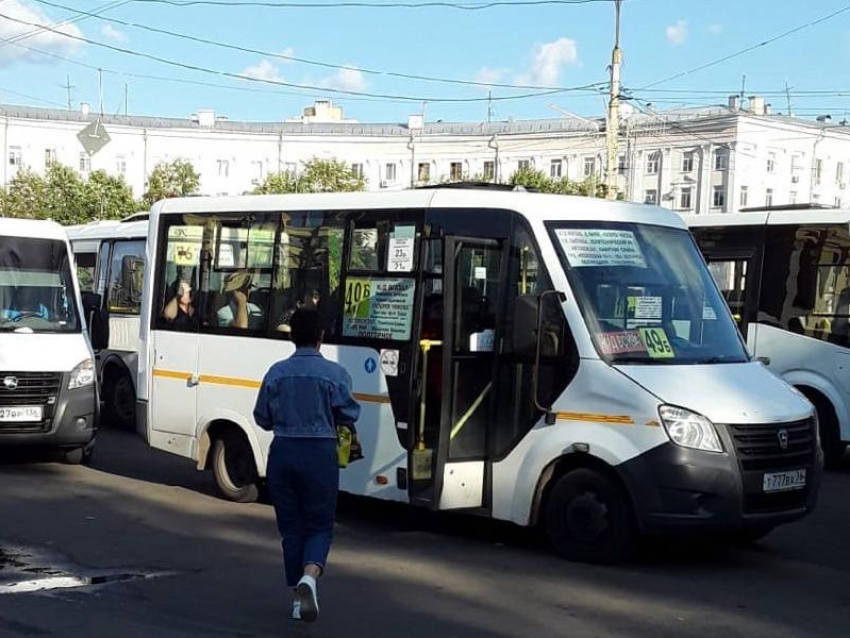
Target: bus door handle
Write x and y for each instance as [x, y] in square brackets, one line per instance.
[194, 380]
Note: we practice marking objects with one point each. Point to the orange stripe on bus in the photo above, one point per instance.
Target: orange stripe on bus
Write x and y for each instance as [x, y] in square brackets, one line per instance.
[170, 374]
[596, 418]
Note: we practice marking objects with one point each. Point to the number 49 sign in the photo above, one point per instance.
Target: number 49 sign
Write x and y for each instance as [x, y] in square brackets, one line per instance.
[656, 342]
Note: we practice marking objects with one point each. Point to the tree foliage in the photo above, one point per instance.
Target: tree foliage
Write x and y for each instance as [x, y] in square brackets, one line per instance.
[317, 176]
[172, 179]
[540, 181]
[64, 196]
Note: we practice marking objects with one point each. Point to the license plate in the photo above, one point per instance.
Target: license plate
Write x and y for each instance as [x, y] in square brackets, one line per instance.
[22, 414]
[780, 481]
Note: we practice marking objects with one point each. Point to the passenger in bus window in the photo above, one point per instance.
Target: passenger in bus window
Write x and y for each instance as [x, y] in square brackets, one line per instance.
[310, 301]
[179, 310]
[239, 311]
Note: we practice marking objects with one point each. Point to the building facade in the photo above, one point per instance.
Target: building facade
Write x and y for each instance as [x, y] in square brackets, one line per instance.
[694, 161]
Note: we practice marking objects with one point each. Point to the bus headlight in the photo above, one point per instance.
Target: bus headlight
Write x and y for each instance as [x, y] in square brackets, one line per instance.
[82, 375]
[689, 429]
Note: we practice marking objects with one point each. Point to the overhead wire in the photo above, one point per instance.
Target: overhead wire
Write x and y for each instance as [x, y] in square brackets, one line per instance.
[428, 4]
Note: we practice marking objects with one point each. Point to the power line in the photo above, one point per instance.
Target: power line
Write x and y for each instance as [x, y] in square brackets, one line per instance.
[748, 49]
[292, 58]
[31, 97]
[241, 76]
[477, 6]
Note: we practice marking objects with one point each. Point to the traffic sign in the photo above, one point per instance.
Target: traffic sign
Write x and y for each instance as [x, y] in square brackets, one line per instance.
[94, 137]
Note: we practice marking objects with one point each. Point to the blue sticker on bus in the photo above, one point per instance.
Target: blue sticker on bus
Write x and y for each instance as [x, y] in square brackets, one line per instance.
[370, 365]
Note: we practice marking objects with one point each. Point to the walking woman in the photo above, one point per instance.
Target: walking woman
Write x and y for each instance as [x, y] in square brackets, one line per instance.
[302, 400]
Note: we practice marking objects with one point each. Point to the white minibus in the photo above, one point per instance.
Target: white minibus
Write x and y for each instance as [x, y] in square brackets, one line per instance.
[48, 395]
[531, 358]
[786, 277]
[110, 262]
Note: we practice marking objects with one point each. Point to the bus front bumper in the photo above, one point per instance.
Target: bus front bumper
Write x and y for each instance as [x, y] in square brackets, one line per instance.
[677, 489]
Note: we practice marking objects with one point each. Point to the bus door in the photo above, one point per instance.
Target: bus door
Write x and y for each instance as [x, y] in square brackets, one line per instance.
[473, 272]
[736, 276]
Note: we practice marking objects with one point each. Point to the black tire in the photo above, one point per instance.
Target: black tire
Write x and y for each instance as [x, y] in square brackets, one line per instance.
[234, 468]
[830, 432]
[588, 518]
[119, 400]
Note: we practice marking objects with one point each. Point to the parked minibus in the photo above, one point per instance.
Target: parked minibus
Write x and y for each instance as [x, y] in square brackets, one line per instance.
[786, 277]
[48, 394]
[539, 359]
[110, 257]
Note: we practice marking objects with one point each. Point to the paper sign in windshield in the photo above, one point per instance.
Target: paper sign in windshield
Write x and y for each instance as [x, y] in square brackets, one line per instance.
[402, 242]
[657, 344]
[378, 308]
[587, 247]
[620, 342]
[646, 307]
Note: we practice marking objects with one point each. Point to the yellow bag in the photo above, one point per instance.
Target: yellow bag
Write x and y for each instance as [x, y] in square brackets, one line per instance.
[347, 446]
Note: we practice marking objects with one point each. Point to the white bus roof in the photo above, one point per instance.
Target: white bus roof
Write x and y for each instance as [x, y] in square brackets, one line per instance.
[36, 228]
[775, 218]
[535, 206]
[96, 231]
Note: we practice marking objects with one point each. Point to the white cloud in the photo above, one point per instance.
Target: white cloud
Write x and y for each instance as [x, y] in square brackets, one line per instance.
[548, 61]
[288, 52]
[263, 70]
[348, 79]
[44, 40]
[486, 75]
[715, 29]
[111, 33]
[677, 33]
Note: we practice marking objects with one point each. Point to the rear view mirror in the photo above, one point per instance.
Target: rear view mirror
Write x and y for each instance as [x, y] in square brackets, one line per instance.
[97, 316]
[524, 334]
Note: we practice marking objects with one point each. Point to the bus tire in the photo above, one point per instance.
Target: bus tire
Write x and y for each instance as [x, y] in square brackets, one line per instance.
[119, 400]
[830, 432]
[234, 468]
[588, 518]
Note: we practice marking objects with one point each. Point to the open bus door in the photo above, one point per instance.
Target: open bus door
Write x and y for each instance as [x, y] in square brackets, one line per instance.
[450, 462]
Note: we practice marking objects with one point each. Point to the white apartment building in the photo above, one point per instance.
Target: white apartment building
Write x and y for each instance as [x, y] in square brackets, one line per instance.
[714, 159]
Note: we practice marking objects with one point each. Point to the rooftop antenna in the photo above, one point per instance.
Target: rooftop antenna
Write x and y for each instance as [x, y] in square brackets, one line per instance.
[69, 87]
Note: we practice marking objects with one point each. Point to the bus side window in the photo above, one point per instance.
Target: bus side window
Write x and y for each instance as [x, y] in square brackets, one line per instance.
[182, 246]
[86, 265]
[125, 277]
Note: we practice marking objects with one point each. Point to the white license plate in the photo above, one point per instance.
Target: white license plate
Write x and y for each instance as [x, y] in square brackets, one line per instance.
[22, 414]
[780, 481]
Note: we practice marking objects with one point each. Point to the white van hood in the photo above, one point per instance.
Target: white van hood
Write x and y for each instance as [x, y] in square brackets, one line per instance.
[39, 352]
[724, 393]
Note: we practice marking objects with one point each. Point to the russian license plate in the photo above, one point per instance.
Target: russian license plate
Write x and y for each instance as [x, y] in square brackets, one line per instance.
[780, 481]
[21, 414]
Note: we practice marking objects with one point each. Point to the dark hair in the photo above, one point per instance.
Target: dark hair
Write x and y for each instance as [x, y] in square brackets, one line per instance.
[306, 327]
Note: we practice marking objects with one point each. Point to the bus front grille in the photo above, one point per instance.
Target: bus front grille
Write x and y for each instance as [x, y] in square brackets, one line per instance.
[24, 389]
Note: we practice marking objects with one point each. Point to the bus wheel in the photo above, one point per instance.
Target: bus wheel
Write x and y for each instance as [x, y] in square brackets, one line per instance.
[120, 402]
[588, 518]
[830, 432]
[234, 468]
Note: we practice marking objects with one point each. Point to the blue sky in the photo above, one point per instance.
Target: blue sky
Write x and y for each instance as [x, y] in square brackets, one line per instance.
[555, 45]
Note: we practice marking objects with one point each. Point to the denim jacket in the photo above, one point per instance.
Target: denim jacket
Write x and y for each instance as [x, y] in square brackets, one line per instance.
[305, 396]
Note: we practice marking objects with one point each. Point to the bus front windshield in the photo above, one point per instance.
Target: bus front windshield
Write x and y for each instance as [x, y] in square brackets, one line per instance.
[36, 286]
[646, 294]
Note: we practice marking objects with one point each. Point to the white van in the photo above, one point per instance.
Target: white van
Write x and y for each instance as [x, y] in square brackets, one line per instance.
[48, 394]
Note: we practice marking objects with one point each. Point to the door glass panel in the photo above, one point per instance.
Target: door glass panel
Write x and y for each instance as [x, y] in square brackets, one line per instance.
[125, 277]
[731, 278]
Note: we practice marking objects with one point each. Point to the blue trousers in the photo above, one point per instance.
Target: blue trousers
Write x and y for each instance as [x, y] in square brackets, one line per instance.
[303, 480]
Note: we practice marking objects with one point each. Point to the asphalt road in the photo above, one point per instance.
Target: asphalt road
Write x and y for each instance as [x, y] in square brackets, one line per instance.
[213, 568]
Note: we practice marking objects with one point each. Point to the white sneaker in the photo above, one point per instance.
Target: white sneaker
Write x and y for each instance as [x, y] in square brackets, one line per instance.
[305, 597]
[296, 610]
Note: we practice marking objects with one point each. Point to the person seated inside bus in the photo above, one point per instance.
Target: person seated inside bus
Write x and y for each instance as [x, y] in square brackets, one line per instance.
[310, 300]
[179, 310]
[239, 311]
[23, 306]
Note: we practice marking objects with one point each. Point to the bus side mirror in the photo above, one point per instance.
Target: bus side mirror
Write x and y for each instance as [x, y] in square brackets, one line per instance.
[97, 316]
[557, 298]
[524, 336]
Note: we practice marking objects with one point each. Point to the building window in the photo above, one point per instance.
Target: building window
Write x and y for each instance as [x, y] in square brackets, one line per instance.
[792, 197]
[621, 164]
[555, 168]
[489, 170]
[389, 172]
[838, 202]
[719, 198]
[589, 166]
[223, 168]
[523, 165]
[15, 156]
[768, 197]
[688, 162]
[650, 196]
[745, 192]
[49, 157]
[424, 171]
[456, 171]
[653, 161]
[357, 170]
[685, 199]
[85, 162]
[721, 160]
[818, 170]
[121, 165]
[290, 169]
[795, 169]
[257, 172]
[771, 162]
[839, 175]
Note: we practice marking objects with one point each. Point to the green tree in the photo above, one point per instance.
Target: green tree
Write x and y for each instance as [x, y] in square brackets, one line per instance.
[541, 182]
[108, 197]
[317, 176]
[172, 179]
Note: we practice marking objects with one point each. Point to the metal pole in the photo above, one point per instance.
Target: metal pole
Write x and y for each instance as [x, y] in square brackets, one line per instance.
[613, 127]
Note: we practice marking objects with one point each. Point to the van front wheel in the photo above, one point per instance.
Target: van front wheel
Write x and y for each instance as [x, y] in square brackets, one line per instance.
[588, 518]
[234, 468]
